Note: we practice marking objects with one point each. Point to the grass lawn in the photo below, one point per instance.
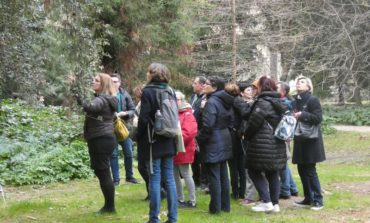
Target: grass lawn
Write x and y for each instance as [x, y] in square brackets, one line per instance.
[345, 178]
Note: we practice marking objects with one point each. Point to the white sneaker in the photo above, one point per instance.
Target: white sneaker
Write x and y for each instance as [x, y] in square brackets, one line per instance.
[317, 207]
[263, 207]
[276, 208]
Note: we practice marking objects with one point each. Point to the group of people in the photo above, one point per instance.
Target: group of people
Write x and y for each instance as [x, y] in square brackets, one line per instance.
[226, 128]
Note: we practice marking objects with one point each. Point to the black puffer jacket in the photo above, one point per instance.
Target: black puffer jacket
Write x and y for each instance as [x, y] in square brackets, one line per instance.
[264, 151]
[99, 116]
[162, 146]
[214, 137]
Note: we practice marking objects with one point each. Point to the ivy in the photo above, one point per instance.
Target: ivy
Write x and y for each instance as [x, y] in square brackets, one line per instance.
[40, 145]
[348, 114]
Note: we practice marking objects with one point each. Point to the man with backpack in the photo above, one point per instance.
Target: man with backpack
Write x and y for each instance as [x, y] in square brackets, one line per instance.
[126, 111]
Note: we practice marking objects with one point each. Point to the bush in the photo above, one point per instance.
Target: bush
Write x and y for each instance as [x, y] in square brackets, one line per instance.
[348, 114]
[327, 125]
[40, 145]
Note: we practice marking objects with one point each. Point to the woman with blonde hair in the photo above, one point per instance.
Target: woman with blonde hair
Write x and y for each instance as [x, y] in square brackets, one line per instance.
[308, 152]
[237, 162]
[99, 134]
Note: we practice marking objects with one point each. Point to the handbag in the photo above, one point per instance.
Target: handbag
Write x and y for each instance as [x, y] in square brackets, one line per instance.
[120, 129]
[285, 130]
[307, 131]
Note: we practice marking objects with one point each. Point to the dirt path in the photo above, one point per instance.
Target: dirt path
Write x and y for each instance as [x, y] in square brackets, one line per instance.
[352, 128]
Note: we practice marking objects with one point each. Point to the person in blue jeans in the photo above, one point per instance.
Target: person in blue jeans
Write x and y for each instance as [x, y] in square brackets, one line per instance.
[157, 150]
[126, 110]
[287, 185]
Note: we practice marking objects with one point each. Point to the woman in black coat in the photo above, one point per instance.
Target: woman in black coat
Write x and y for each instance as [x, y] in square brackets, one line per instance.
[99, 134]
[215, 142]
[160, 154]
[265, 153]
[237, 162]
[308, 152]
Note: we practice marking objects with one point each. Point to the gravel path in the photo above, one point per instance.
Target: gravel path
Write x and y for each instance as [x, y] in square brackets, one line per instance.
[352, 128]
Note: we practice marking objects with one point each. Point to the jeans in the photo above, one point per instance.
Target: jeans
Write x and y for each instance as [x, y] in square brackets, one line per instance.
[128, 157]
[268, 190]
[162, 167]
[219, 188]
[183, 170]
[310, 183]
[288, 185]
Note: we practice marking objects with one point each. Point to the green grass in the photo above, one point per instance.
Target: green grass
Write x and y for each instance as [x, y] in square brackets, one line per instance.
[346, 175]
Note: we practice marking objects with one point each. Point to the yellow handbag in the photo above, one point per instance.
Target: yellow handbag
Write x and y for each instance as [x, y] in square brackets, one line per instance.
[120, 129]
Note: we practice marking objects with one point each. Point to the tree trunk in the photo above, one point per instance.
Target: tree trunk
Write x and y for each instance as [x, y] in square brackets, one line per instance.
[340, 95]
[357, 96]
[47, 4]
[234, 41]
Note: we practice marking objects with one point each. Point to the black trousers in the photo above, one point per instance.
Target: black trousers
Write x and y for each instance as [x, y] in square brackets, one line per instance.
[310, 182]
[237, 176]
[144, 172]
[219, 188]
[237, 168]
[100, 151]
[199, 171]
[267, 185]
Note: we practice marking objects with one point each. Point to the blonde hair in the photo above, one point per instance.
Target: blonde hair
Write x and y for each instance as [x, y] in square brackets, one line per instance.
[106, 84]
[308, 80]
[232, 89]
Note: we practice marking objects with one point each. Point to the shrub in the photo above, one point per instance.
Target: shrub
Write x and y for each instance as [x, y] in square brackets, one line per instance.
[40, 145]
[348, 114]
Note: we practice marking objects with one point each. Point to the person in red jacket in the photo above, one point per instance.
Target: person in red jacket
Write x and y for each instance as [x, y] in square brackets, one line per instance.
[183, 161]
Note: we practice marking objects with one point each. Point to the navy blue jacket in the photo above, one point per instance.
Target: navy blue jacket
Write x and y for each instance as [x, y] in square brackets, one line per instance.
[214, 137]
[162, 146]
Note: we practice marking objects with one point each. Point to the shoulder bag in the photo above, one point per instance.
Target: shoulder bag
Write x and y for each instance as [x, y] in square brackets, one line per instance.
[306, 130]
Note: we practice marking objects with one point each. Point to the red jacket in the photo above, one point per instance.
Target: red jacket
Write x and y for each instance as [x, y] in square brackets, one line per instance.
[189, 129]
